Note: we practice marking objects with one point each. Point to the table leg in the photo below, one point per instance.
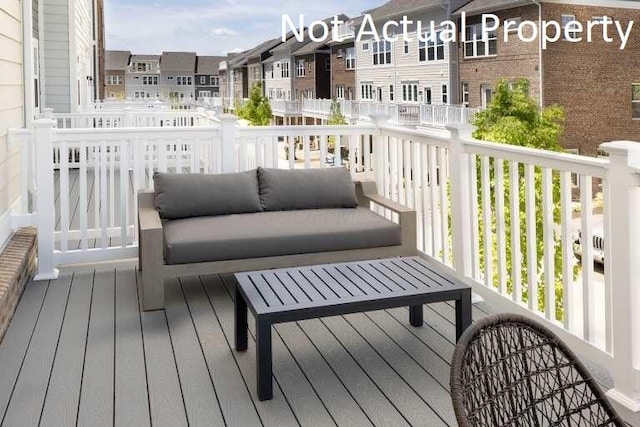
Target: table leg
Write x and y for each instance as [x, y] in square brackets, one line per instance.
[415, 315]
[463, 313]
[240, 310]
[264, 360]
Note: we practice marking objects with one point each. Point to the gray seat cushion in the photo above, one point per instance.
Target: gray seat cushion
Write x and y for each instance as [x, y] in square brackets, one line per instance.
[267, 234]
[191, 195]
[282, 190]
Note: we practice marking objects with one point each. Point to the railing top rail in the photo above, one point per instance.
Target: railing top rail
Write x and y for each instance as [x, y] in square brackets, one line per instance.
[257, 131]
[109, 134]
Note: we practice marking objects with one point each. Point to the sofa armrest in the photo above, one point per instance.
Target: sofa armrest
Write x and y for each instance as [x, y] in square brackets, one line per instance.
[367, 194]
[150, 253]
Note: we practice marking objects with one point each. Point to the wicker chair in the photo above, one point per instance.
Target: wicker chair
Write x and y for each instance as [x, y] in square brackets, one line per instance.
[508, 370]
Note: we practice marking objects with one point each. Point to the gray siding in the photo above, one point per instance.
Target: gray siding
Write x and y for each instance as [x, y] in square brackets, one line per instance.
[36, 18]
[57, 76]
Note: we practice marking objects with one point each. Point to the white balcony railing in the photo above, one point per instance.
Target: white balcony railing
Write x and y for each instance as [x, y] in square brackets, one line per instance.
[505, 218]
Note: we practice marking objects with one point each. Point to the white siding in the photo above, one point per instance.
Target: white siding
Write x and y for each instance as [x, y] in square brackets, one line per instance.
[277, 83]
[84, 51]
[404, 67]
[11, 107]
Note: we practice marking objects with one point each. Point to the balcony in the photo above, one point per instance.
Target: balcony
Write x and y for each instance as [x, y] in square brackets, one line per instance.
[79, 349]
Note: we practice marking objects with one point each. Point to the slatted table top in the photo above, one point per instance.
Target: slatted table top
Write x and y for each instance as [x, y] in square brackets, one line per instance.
[352, 283]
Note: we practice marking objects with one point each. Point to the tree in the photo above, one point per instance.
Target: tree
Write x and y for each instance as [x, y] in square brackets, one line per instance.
[336, 118]
[257, 110]
[512, 117]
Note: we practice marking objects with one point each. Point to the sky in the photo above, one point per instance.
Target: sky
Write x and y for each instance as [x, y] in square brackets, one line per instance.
[211, 27]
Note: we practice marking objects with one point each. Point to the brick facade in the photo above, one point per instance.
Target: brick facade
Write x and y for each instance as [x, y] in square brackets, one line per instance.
[592, 81]
[340, 76]
[316, 80]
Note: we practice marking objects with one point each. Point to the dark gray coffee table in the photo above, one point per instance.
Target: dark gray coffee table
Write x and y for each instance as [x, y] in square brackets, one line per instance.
[287, 295]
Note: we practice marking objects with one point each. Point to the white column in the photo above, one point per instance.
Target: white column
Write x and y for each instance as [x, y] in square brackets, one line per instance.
[459, 167]
[622, 265]
[228, 142]
[45, 206]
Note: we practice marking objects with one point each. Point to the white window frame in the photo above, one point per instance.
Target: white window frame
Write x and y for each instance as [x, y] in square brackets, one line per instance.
[214, 81]
[184, 81]
[203, 80]
[284, 69]
[150, 80]
[300, 68]
[431, 51]
[382, 53]
[564, 20]
[635, 102]
[350, 58]
[486, 93]
[445, 94]
[511, 21]
[474, 39]
[410, 92]
[465, 93]
[340, 92]
[204, 94]
[391, 93]
[428, 95]
[366, 91]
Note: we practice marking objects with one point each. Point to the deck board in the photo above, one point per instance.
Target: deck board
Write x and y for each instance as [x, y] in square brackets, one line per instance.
[179, 368]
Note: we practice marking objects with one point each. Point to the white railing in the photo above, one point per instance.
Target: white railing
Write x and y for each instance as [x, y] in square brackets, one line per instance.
[505, 218]
[443, 115]
[287, 108]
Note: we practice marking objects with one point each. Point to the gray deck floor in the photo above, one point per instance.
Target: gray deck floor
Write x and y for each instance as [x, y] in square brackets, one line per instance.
[80, 352]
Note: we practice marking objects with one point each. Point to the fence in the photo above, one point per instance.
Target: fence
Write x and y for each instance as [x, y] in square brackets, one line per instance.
[507, 219]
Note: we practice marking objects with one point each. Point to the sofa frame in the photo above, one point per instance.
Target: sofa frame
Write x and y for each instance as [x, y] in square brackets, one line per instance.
[154, 270]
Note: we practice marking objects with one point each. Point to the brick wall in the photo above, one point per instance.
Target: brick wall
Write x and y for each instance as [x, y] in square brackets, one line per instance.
[303, 84]
[592, 81]
[514, 59]
[340, 76]
[18, 263]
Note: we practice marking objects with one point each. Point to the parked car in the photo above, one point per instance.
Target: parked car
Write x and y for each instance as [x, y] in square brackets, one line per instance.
[597, 243]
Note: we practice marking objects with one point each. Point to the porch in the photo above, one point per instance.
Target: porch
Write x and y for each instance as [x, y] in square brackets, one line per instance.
[363, 366]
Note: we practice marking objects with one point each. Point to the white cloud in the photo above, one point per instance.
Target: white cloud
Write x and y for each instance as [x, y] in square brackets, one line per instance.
[223, 32]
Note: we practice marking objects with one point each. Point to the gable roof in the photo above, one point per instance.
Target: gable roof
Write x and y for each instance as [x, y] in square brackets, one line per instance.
[398, 7]
[293, 45]
[116, 59]
[178, 61]
[135, 57]
[208, 64]
[474, 7]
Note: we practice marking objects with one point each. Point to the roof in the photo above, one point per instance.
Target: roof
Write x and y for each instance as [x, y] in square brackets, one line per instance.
[208, 64]
[178, 61]
[398, 7]
[480, 6]
[293, 45]
[145, 57]
[117, 59]
[310, 48]
[263, 47]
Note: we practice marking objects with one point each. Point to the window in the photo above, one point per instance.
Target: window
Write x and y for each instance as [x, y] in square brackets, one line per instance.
[204, 94]
[433, 49]
[465, 94]
[140, 94]
[327, 64]
[381, 52]
[475, 47]
[114, 80]
[340, 92]
[365, 47]
[268, 71]
[339, 53]
[150, 80]
[390, 92]
[215, 81]
[184, 81]
[284, 69]
[141, 67]
[635, 101]
[486, 93]
[410, 92]
[203, 80]
[512, 24]
[445, 94]
[351, 58]
[367, 91]
[406, 47]
[300, 68]
[566, 19]
[428, 96]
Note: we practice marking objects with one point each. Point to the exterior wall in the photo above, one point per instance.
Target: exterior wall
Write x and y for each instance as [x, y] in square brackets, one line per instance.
[224, 84]
[83, 32]
[207, 86]
[11, 108]
[134, 82]
[240, 83]
[168, 85]
[316, 79]
[56, 87]
[340, 76]
[277, 83]
[115, 91]
[100, 50]
[404, 68]
[514, 60]
[255, 73]
[592, 81]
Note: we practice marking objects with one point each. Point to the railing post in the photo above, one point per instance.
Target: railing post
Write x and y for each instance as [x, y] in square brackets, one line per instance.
[45, 207]
[459, 167]
[622, 269]
[378, 119]
[228, 142]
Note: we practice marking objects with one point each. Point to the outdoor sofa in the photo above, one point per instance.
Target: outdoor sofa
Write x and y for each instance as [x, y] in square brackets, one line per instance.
[196, 224]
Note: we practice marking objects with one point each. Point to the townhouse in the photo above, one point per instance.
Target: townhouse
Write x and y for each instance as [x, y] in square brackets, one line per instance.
[343, 62]
[278, 80]
[116, 64]
[587, 79]
[142, 77]
[255, 59]
[177, 75]
[207, 78]
[405, 71]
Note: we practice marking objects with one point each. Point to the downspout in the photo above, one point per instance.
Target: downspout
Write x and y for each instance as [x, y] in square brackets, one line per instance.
[540, 51]
[27, 62]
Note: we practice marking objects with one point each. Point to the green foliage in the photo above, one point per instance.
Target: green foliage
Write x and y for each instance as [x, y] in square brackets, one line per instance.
[336, 118]
[513, 118]
[257, 110]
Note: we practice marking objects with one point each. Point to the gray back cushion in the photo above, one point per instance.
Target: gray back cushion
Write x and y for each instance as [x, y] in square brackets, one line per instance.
[180, 196]
[282, 190]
